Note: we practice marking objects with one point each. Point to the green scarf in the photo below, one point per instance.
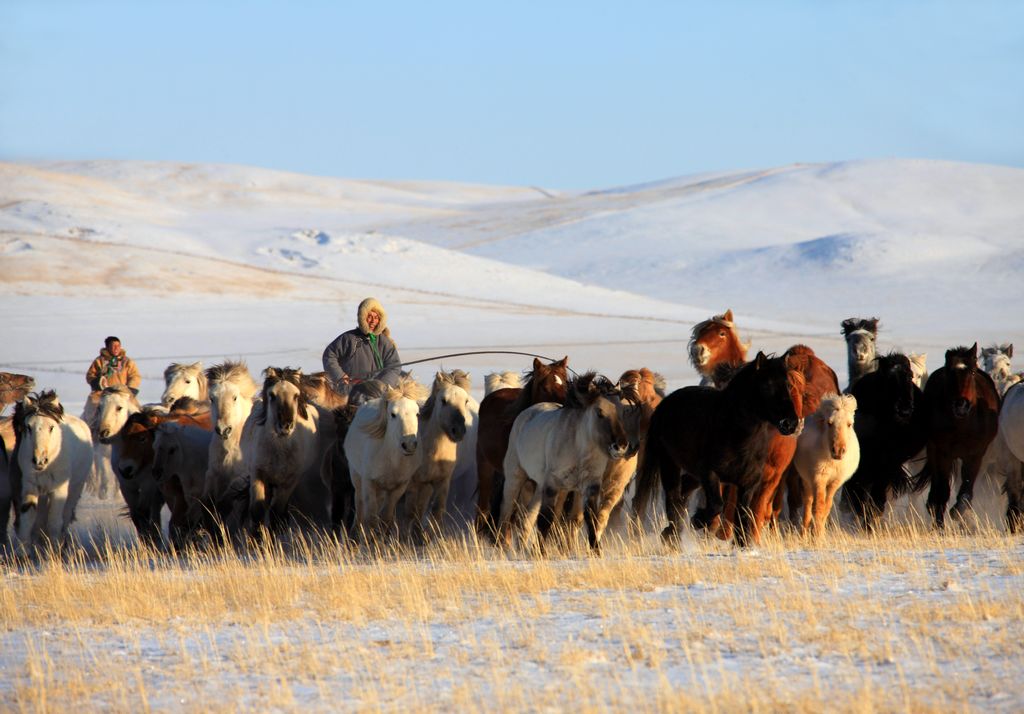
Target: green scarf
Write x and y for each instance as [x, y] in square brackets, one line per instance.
[376, 352]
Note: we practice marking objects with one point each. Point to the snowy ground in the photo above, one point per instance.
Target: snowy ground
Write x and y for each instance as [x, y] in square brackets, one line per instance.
[187, 262]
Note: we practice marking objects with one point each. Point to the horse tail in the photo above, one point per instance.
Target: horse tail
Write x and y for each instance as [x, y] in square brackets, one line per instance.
[648, 474]
[913, 484]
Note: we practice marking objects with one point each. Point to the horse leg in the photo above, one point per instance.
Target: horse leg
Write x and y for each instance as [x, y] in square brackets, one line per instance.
[29, 511]
[391, 508]
[530, 515]
[968, 474]
[485, 484]
[279, 500]
[723, 525]
[609, 497]
[572, 533]
[55, 514]
[744, 517]
[440, 509]
[830, 497]
[1014, 488]
[513, 487]
[794, 495]
[938, 495]
[416, 503]
[808, 505]
[257, 503]
[822, 504]
[713, 503]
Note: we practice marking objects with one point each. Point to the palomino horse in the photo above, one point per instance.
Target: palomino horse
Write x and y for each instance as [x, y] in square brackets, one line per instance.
[10, 478]
[443, 422]
[382, 449]
[861, 355]
[14, 388]
[715, 342]
[55, 457]
[317, 388]
[561, 448]
[498, 411]
[281, 447]
[827, 454]
[233, 392]
[962, 404]
[184, 380]
[892, 428]
[919, 368]
[641, 392]
[701, 436]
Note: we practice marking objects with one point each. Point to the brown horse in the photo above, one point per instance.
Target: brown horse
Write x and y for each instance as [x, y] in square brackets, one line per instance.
[14, 388]
[707, 437]
[715, 342]
[135, 462]
[766, 502]
[498, 410]
[962, 404]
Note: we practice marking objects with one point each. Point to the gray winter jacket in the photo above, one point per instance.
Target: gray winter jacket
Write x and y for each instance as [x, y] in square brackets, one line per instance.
[351, 354]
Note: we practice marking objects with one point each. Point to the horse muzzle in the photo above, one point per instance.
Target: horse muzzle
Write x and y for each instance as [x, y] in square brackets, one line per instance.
[838, 454]
[40, 464]
[285, 430]
[961, 408]
[409, 446]
[127, 472]
[105, 436]
[618, 451]
[223, 433]
[700, 355]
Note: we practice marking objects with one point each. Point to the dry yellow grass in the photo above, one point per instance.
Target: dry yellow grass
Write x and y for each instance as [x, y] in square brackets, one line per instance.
[895, 621]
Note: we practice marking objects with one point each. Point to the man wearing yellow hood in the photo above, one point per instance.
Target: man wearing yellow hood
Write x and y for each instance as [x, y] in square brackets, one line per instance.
[365, 352]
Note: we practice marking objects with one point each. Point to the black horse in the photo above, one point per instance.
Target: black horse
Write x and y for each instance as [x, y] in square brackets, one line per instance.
[892, 428]
[700, 436]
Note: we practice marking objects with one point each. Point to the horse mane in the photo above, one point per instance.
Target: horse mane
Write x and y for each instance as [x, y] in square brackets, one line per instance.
[189, 406]
[408, 388]
[44, 403]
[273, 375]
[853, 324]
[498, 380]
[723, 374]
[993, 350]
[456, 378]
[838, 404]
[525, 397]
[584, 390]
[235, 372]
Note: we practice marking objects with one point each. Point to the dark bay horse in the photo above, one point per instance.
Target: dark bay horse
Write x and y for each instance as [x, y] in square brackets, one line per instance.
[498, 410]
[700, 436]
[962, 406]
[892, 428]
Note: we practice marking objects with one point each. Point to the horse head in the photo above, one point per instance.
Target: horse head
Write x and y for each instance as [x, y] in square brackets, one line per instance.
[232, 389]
[716, 341]
[860, 337]
[137, 442]
[775, 389]
[166, 450]
[600, 401]
[961, 379]
[835, 416]
[895, 385]
[117, 403]
[548, 382]
[284, 399]
[450, 398]
[39, 423]
[184, 380]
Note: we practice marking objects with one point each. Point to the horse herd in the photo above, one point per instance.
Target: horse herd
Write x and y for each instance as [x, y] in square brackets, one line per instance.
[538, 458]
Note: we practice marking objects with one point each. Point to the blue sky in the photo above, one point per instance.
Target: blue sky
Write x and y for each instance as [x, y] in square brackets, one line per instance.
[566, 95]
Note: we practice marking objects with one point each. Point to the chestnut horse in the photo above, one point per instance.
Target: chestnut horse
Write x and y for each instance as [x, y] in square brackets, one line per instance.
[705, 437]
[766, 502]
[962, 404]
[498, 410]
[716, 342]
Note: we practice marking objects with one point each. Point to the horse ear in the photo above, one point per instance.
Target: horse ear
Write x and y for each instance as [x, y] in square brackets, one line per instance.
[537, 364]
[271, 373]
[1009, 350]
[974, 350]
[760, 360]
[198, 366]
[728, 315]
[564, 362]
[872, 325]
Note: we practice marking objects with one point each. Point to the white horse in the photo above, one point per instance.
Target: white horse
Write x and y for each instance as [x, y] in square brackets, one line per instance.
[381, 447]
[502, 380]
[563, 449]
[443, 422]
[55, 457]
[233, 392]
[184, 380]
[827, 455]
[103, 481]
[280, 446]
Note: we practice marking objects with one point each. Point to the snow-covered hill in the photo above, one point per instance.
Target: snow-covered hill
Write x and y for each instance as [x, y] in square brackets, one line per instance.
[199, 261]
